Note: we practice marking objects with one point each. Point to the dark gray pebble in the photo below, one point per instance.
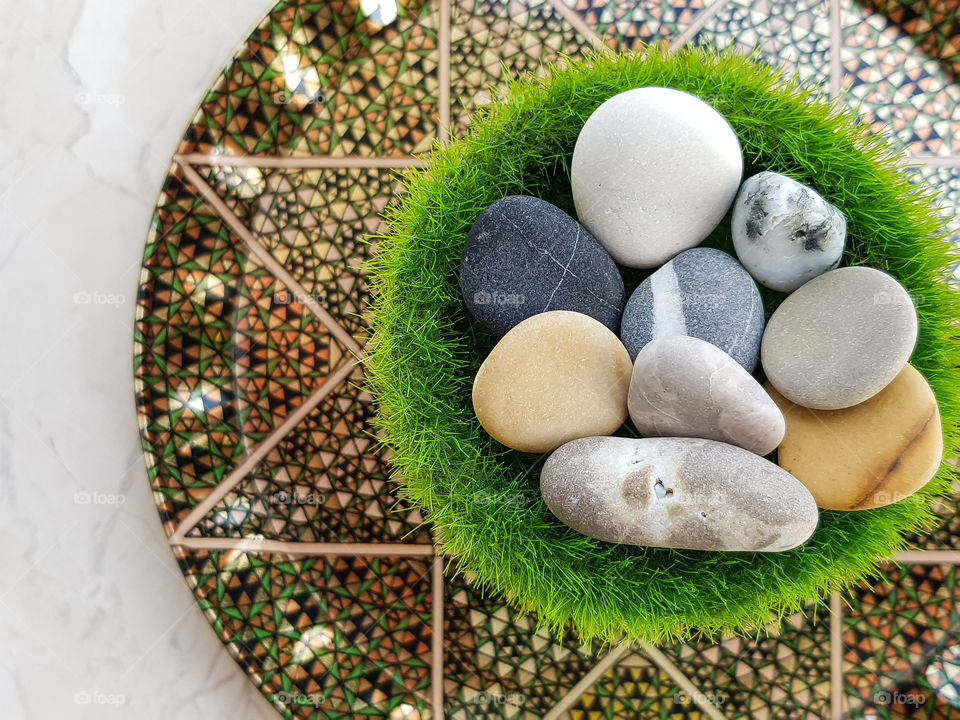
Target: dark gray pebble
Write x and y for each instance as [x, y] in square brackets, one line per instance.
[524, 256]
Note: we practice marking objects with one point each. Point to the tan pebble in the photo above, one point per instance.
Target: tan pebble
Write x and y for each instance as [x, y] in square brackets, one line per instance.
[552, 378]
[872, 454]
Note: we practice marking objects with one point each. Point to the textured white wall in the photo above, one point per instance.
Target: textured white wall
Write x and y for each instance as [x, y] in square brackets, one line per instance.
[95, 95]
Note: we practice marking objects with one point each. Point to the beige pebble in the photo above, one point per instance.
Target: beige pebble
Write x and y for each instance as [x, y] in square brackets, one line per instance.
[552, 378]
[872, 454]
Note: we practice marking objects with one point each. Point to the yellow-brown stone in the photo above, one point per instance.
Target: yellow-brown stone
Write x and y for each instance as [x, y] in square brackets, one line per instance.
[552, 378]
[872, 454]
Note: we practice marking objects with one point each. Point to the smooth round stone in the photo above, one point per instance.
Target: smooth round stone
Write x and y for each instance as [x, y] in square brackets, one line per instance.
[872, 454]
[704, 293]
[784, 232]
[554, 377]
[683, 493]
[839, 339]
[686, 387]
[654, 171]
[524, 256]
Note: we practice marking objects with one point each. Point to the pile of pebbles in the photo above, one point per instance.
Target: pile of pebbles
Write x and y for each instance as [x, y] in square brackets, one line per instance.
[654, 171]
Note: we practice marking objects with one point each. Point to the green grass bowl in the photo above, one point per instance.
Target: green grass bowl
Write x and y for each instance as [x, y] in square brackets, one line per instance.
[483, 499]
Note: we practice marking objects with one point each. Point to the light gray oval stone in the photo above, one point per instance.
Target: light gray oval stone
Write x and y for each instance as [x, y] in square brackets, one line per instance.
[684, 493]
[686, 387]
[840, 339]
[703, 293]
[784, 232]
[654, 171]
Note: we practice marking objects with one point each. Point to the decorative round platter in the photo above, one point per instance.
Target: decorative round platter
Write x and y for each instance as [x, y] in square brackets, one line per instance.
[269, 482]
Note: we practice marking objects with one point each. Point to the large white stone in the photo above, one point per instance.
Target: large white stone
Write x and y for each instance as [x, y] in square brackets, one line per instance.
[654, 171]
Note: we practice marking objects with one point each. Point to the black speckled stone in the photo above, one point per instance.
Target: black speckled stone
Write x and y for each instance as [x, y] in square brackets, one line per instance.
[524, 256]
[703, 293]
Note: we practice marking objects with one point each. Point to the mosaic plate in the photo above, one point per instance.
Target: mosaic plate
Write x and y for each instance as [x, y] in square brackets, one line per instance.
[269, 482]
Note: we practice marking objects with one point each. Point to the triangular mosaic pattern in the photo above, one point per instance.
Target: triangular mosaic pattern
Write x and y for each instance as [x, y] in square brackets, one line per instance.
[238, 187]
[892, 634]
[634, 25]
[946, 536]
[282, 355]
[497, 664]
[895, 87]
[326, 481]
[323, 79]
[317, 224]
[943, 675]
[323, 637]
[784, 675]
[186, 398]
[488, 35]
[231, 353]
[795, 35]
[636, 689]
[933, 24]
[944, 181]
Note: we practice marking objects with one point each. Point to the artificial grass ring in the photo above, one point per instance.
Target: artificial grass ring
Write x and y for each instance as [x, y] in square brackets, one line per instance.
[425, 348]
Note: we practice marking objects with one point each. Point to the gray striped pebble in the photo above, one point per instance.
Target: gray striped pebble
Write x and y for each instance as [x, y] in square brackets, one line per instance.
[703, 293]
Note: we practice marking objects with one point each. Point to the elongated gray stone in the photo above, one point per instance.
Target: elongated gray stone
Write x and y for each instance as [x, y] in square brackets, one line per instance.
[687, 387]
[677, 492]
